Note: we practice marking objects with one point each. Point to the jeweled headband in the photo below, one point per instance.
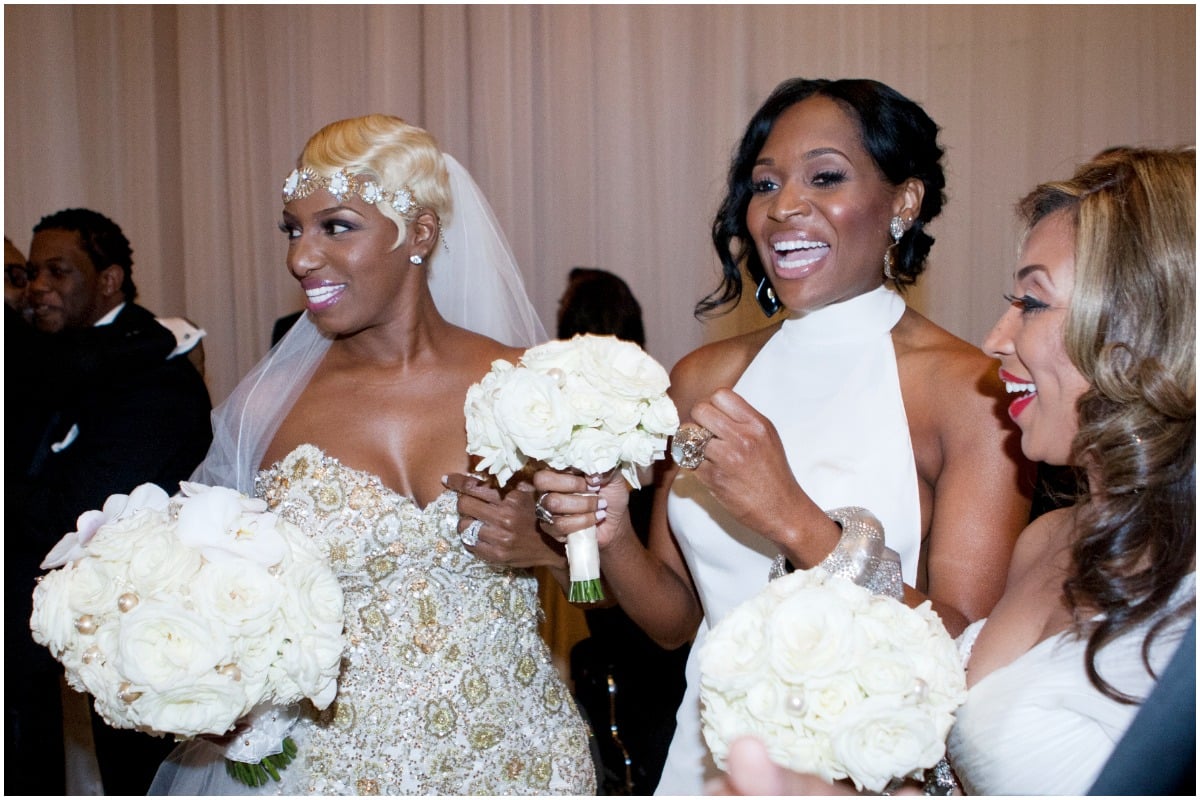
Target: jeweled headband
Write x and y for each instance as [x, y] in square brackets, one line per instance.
[341, 184]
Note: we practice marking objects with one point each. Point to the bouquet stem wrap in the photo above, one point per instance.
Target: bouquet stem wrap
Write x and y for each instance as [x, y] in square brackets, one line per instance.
[590, 404]
[583, 559]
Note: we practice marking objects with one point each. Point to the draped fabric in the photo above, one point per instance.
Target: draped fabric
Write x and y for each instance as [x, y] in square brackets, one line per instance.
[600, 134]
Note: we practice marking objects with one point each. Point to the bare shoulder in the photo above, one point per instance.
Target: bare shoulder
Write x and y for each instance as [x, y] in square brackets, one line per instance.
[474, 353]
[714, 366]
[1042, 541]
[941, 358]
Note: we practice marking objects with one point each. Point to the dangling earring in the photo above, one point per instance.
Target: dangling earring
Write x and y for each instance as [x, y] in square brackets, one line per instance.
[416, 260]
[896, 228]
[765, 295]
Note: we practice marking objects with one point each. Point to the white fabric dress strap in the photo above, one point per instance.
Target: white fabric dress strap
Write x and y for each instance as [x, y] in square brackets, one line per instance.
[828, 381]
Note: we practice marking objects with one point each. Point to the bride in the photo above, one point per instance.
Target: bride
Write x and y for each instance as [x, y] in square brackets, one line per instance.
[346, 428]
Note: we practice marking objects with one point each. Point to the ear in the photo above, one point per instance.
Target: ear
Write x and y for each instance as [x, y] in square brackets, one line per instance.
[111, 278]
[907, 204]
[423, 233]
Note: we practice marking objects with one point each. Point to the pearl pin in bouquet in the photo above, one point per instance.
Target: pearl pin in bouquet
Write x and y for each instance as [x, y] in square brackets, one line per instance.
[591, 404]
[185, 615]
[835, 680]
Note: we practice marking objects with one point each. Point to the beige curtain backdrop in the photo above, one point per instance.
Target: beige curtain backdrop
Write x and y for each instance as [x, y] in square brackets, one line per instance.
[601, 134]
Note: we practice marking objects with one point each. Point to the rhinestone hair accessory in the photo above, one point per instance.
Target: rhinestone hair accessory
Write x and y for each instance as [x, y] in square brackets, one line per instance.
[341, 184]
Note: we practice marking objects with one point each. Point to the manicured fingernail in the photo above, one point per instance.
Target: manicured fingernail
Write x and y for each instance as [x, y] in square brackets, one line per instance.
[602, 504]
[601, 514]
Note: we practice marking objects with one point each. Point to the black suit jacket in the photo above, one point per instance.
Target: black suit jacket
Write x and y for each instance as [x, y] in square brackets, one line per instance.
[138, 417]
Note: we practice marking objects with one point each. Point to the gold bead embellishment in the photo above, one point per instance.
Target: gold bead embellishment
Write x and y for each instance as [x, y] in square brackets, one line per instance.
[127, 602]
[126, 693]
[91, 654]
[86, 625]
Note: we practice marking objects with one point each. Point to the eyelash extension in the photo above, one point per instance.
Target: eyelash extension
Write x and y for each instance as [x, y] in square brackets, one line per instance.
[829, 176]
[1028, 304]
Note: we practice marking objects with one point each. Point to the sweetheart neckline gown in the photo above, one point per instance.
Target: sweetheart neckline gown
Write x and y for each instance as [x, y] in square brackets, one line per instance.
[1037, 725]
[446, 686]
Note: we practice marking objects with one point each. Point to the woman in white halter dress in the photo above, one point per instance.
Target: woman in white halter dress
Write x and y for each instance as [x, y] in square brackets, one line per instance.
[346, 428]
[1099, 594]
[854, 400]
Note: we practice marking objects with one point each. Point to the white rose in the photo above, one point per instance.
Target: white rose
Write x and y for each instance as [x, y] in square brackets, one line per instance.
[94, 588]
[660, 417]
[211, 704]
[642, 448]
[103, 682]
[314, 598]
[826, 699]
[485, 437]
[52, 621]
[589, 406]
[163, 646]
[733, 656]
[161, 564]
[117, 542]
[626, 370]
[533, 413]
[314, 663]
[878, 740]
[240, 596]
[561, 355]
[591, 451]
[887, 672]
[811, 634]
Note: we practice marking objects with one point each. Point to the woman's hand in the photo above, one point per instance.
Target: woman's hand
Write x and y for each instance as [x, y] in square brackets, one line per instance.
[746, 469]
[573, 502]
[509, 535]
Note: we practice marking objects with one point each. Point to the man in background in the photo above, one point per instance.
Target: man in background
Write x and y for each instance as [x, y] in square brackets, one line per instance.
[120, 412]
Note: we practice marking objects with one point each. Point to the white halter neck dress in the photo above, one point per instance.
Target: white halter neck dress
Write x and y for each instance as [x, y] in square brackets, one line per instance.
[828, 381]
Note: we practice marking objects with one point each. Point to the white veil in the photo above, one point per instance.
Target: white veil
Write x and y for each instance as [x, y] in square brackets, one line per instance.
[476, 285]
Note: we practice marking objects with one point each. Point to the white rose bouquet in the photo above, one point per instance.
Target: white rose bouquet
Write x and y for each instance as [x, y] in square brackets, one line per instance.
[183, 615]
[592, 404]
[836, 681]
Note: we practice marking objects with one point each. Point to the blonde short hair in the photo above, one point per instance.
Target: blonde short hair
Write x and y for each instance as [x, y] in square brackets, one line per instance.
[390, 151]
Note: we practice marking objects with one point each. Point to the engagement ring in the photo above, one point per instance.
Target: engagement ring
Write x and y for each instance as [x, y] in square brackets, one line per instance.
[688, 443]
[470, 534]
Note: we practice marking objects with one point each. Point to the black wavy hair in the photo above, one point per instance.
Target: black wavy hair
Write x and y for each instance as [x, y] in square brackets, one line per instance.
[897, 133]
[100, 237]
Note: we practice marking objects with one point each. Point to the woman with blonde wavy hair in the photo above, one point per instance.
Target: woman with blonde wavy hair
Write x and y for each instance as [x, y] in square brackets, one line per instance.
[346, 429]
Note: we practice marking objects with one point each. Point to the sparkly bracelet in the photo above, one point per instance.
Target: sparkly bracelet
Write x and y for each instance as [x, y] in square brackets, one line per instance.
[860, 555]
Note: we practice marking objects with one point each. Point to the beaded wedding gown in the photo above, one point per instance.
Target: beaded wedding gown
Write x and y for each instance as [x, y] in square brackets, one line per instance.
[446, 687]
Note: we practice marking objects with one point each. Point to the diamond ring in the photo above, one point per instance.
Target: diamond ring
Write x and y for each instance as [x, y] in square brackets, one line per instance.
[470, 534]
[688, 443]
[541, 511]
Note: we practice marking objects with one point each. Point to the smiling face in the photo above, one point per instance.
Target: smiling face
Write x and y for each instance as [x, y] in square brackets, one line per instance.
[1028, 341]
[344, 256]
[68, 291]
[820, 207]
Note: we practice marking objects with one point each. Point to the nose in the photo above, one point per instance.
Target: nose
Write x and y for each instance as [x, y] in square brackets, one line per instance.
[788, 201]
[999, 341]
[39, 281]
[303, 257]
